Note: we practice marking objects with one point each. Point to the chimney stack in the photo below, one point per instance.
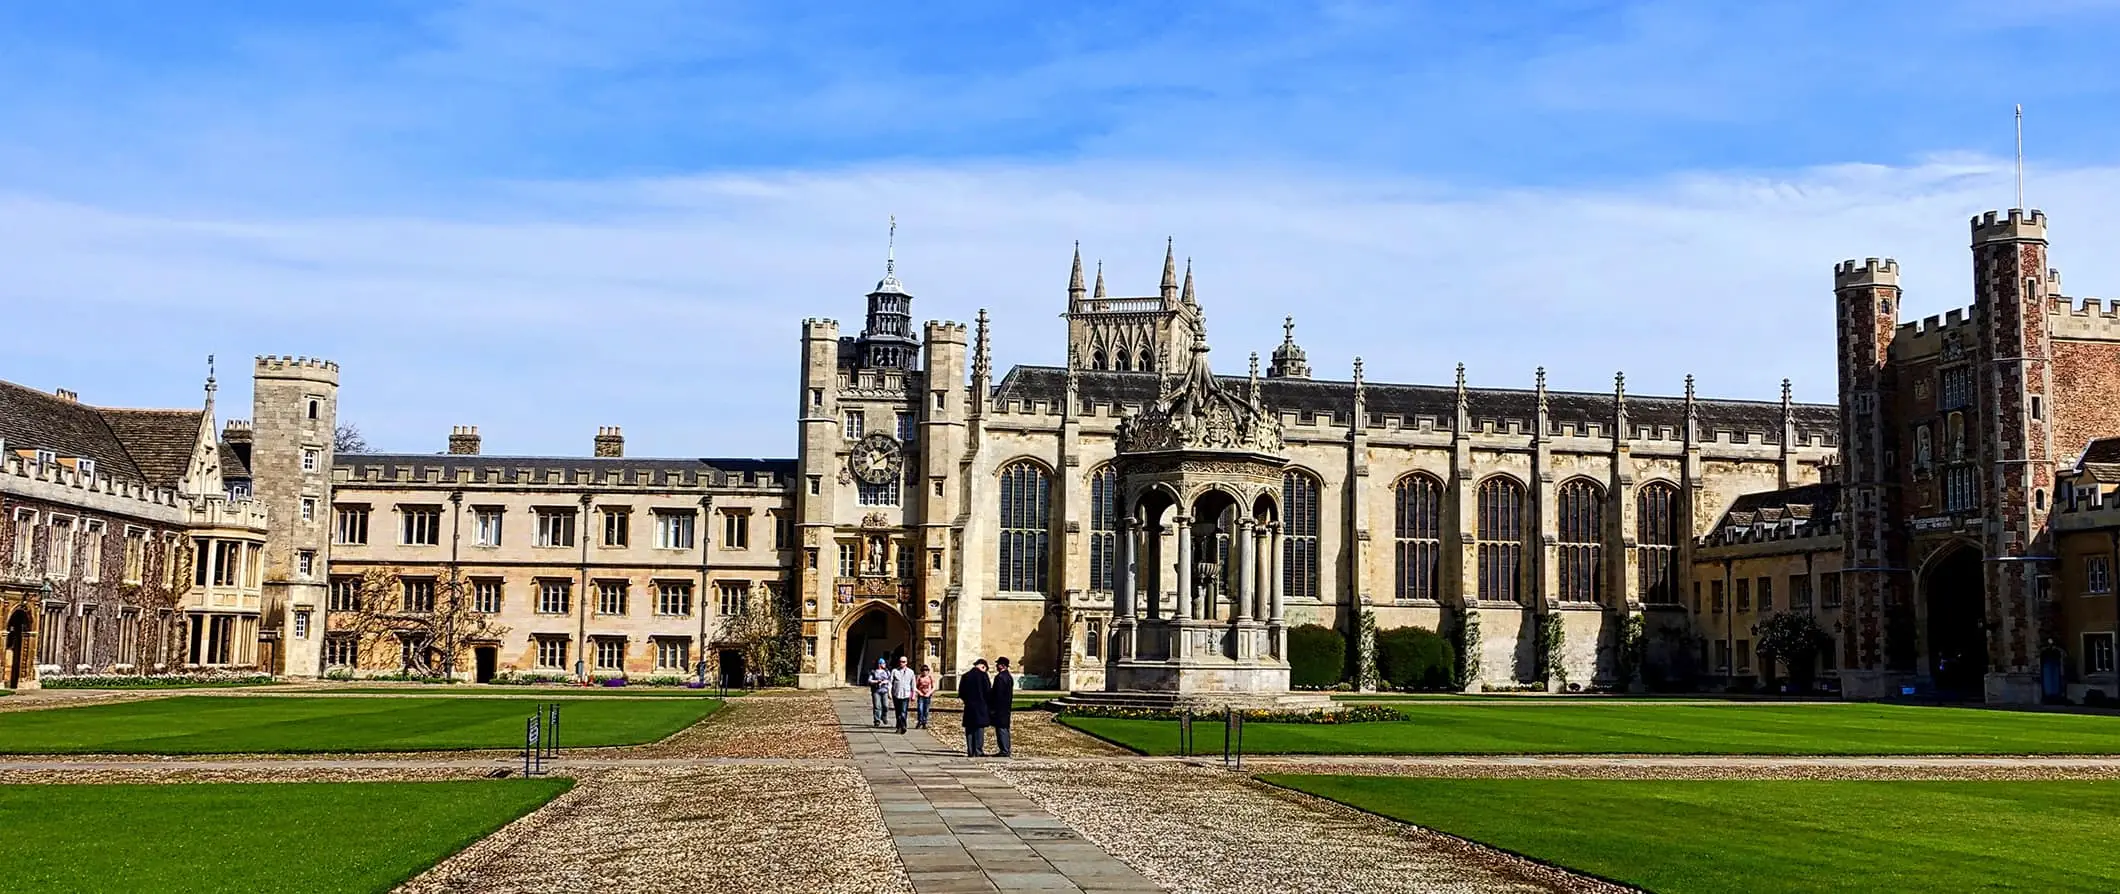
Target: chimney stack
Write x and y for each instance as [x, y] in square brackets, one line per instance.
[463, 440]
[66, 395]
[609, 443]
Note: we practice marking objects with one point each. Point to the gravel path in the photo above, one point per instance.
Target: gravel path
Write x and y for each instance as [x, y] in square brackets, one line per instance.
[1192, 829]
[1704, 767]
[1031, 734]
[758, 726]
[771, 830]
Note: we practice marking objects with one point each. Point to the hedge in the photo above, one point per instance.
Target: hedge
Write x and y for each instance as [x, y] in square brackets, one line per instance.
[1415, 658]
[1317, 656]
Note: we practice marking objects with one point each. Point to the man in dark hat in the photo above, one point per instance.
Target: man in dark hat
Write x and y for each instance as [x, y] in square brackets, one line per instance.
[1000, 700]
[973, 687]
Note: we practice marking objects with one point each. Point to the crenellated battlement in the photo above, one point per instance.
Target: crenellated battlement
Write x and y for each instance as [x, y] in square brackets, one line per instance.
[947, 330]
[2093, 320]
[1850, 274]
[274, 366]
[1933, 334]
[62, 483]
[820, 327]
[2015, 226]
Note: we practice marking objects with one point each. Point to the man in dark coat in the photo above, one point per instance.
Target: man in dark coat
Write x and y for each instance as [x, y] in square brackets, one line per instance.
[1000, 700]
[973, 688]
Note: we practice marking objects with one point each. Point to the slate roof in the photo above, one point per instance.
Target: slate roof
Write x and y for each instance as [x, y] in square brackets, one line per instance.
[232, 464]
[160, 441]
[1810, 503]
[146, 446]
[508, 469]
[1049, 383]
[2101, 460]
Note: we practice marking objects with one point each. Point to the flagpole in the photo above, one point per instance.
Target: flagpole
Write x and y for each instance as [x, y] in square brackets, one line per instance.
[2020, 156]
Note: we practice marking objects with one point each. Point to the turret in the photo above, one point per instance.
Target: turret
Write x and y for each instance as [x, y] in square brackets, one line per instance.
[1289, 361]
[887, 340]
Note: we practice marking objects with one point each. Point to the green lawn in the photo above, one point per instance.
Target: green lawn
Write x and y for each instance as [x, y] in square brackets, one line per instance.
[206, 724]
[1650, 728]
[417, 689]
[1698, 837]
[308, 837]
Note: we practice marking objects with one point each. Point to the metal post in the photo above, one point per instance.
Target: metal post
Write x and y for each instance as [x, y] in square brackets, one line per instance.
[554, 723]
[1239, 718]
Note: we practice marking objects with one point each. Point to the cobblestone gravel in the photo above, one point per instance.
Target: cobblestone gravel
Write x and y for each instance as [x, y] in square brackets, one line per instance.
[1031, 734]
[770, 830]
[758, 726]
[1193, 829]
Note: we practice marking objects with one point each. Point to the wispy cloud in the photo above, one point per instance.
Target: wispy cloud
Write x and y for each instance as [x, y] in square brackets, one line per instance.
[541, 217]
[670, 306]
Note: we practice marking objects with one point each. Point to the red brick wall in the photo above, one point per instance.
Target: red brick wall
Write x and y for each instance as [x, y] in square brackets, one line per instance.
[2086, 394]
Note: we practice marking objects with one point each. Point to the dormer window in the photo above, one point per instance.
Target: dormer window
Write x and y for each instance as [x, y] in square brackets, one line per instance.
[87, 468]
[46, 458]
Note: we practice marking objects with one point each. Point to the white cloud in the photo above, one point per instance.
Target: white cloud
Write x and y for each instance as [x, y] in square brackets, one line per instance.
[670, 307]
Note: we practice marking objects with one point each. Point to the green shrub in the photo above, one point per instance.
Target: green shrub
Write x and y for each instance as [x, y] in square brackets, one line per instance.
[1415, 658]
[1317, 656]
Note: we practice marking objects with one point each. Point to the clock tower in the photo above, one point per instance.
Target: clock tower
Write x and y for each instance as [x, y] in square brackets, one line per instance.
[880, 435]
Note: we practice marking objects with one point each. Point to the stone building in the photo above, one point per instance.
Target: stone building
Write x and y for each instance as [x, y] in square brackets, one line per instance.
[1773, 551]
[124, 551]
[959, 522]
[578, 566]
[1955, 430]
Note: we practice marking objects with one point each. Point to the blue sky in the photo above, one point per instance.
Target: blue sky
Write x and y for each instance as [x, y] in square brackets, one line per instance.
[545, 217]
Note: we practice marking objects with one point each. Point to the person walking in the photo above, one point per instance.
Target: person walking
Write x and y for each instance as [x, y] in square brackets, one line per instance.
[879, 692]
[1000, 701]
[924, 691]
[972, 687]
[902, 690]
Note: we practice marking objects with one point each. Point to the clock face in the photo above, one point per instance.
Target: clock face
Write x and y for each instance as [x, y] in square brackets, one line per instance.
[875, 459]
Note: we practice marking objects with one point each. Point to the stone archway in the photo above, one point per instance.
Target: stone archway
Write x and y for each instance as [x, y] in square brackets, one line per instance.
[875, 630]
[1954, 596]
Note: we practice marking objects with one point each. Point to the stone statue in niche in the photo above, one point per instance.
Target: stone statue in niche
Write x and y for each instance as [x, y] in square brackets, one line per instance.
[878, 556]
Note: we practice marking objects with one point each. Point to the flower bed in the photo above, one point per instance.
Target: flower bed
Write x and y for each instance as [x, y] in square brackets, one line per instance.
[152, 681]
[1348, 714]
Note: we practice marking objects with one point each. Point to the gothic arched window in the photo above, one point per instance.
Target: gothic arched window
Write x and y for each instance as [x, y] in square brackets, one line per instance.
[1025, 527]
[1299, 535]
[1417, 536]
[1581, 526]
[1141, 360]
[1500, 539]
[1656, 541]
[1096, 360]
[1103, 526]
[1118, 360]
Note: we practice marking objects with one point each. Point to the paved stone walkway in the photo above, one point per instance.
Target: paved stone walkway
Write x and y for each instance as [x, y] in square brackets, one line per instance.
[959, 828]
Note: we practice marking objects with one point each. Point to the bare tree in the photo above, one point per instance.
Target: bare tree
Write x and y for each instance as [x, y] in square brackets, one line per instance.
[753, 632]
[430, 636]
[348, 439]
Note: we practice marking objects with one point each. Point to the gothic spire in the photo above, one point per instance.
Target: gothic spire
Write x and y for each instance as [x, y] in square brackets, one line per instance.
[1361, 398]
[1462, 403]
[1100, 281]
[982, 353]
[1541, 378]
[1619, 406]
[1074, 279]
[1692, 416]
[1254, 395]
[1187, 296]
[1170, 269]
